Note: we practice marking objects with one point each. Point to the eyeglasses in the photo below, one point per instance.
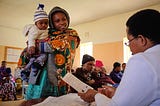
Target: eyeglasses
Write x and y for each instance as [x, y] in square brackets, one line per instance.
[129, 41]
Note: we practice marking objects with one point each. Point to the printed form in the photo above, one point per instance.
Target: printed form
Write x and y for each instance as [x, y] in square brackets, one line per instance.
[77, 84]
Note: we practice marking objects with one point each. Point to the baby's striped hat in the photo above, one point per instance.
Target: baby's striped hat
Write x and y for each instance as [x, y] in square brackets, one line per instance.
[40, 13]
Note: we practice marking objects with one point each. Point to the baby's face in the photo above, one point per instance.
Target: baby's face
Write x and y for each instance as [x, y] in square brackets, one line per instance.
[60, 21]
[42, 24]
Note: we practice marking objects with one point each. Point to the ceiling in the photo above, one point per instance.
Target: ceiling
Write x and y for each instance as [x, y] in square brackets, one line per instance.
[16, 13]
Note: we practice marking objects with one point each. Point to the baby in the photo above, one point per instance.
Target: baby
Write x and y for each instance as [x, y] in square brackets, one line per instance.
[36, 33]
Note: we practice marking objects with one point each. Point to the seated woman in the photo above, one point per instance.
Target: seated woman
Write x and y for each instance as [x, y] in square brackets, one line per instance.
[84, 73]
[100, 76]
[8, 90]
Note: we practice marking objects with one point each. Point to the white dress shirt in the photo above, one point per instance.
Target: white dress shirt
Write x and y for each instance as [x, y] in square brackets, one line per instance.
[140, 84]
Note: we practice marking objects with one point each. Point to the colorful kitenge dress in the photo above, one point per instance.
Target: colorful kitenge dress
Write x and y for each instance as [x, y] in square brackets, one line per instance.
[63, 47]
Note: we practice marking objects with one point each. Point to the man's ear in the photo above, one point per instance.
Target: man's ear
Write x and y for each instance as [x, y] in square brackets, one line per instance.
[142, 40]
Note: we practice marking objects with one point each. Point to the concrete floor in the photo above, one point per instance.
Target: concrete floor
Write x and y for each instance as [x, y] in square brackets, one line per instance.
[13, 103]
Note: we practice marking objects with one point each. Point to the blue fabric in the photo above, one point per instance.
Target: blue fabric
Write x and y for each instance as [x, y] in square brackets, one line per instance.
[42, 47]
[43, 89]
[45, 48]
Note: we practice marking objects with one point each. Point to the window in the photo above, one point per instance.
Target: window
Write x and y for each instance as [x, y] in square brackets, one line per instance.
[86, 48]
[12, 54]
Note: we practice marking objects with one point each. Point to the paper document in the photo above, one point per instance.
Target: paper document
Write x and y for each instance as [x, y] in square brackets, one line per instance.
[71, 99]
[77, 84]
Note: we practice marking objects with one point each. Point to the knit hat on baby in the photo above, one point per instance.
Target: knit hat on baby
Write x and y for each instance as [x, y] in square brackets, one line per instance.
[40, 13]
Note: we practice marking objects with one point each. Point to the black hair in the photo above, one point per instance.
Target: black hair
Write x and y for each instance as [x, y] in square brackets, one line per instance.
[8, 70]
[146, 23]
[3, 61]
[116, 64]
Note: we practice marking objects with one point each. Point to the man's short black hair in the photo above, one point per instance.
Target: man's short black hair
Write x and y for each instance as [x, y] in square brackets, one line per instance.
[116, 64]
[146, 23]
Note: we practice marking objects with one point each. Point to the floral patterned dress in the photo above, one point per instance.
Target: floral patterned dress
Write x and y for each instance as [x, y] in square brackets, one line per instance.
[8, 91]
[63, 47]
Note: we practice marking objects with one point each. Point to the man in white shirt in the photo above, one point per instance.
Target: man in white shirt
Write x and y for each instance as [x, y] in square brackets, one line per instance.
[140, 84]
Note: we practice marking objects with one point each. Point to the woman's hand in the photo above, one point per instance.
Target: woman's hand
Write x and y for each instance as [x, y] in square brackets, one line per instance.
[107, 91]
[88, 96]
[90, 82]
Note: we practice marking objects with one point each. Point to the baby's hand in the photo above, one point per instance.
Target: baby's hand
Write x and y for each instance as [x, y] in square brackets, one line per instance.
[31, 50]
[59, 71]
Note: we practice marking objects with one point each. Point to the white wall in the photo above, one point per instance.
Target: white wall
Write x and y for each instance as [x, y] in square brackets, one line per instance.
[109, 29]
[12, 37]
[105, 30]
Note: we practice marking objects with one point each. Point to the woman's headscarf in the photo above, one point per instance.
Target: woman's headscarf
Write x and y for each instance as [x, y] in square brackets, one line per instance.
[55, 10]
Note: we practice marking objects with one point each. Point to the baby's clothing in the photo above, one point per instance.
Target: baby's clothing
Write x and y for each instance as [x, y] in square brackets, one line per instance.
[34, 34]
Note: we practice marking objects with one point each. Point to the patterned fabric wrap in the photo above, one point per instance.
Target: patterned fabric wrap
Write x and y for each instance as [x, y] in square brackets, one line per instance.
[22, 62]
[26, 63]
[61, 52]
[63, 45]
[24, 58]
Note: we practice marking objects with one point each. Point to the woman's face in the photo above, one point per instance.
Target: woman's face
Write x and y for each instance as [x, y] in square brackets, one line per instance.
[60, 21]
